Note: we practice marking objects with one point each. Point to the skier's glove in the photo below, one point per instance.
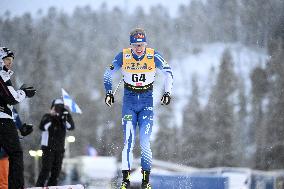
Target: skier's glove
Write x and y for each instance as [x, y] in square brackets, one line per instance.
[166, 99]
[109, 99]
[29, 90]
[26, 129]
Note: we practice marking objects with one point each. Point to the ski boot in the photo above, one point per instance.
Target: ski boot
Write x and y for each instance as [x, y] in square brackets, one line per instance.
[145, 180]
[146, 185]
[125, 184]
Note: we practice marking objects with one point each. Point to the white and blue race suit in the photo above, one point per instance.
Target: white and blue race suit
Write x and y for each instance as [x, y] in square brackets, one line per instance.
[138, 76]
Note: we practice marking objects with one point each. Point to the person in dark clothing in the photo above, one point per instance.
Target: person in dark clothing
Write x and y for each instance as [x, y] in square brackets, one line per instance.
[53, 126]
[25, 129]
[9, 139]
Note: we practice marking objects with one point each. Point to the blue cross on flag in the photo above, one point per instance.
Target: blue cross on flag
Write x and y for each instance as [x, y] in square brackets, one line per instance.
[70, 103]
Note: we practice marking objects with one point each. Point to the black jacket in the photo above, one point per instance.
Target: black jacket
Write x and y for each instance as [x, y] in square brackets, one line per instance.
[8, 95]
[53, 129]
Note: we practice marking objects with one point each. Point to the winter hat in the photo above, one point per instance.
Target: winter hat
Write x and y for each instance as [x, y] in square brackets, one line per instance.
[57, 101]
[138, 35]
[5, 52]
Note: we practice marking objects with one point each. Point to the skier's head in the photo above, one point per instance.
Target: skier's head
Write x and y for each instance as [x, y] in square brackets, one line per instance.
[137, 35]
[6, 57]
[138, 41]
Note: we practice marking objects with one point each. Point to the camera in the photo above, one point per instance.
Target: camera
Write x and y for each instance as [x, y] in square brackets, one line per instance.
[64, 115]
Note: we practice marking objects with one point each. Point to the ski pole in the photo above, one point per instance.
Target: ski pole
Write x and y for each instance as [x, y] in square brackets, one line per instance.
[116, 89]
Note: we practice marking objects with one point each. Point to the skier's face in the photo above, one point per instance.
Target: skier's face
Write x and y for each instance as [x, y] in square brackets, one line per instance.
[139, 48]
[8, 62]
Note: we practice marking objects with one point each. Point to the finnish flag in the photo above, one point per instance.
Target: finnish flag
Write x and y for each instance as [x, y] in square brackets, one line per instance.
[70, 103]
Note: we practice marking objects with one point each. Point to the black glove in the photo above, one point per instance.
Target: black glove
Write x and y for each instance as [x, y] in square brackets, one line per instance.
[26, 129]
[166, 99]
[29, 90]
[109, 99]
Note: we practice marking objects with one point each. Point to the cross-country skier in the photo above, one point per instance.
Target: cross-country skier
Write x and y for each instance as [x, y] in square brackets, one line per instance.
[138, 65]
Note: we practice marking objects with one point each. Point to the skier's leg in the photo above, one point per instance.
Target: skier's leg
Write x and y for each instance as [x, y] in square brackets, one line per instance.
[145, 122]
[129, 122]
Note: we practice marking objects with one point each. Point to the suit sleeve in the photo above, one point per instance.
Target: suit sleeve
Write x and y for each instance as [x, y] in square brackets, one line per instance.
[70, 123]
[167, 71]
[7, 91]
[115, 66]
[17, 119]
[45, 122]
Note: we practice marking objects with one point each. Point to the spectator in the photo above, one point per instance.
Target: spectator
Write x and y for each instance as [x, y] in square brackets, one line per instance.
[53, 126]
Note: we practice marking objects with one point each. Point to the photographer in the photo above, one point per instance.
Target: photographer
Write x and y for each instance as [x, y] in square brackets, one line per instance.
[53, 126]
